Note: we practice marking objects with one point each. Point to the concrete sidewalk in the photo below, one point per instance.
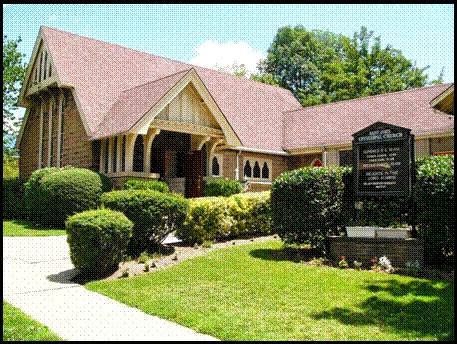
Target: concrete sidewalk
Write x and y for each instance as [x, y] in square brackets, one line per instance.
[36, 278]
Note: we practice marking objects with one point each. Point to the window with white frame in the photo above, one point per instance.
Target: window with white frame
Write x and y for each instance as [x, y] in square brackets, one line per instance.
[216, 165]
[257, 169]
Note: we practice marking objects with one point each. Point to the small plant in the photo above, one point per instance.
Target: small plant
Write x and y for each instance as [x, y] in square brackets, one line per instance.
[374, 263]
[143, 258]
[357, 265]
[207, 244]
[317, 261]
[343, 264]
[175, 257]
[146, 267]
[196, 246]
[413, 268]
[385, 264]
[125, 273]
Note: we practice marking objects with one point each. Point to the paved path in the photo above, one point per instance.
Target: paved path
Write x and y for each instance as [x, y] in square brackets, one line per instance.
[36, 278]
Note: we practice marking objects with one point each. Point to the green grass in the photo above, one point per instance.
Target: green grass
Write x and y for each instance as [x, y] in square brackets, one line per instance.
[25, 228]
[18, 326]
[254, 292]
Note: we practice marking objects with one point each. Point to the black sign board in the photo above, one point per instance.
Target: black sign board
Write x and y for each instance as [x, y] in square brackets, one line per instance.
[383, 158]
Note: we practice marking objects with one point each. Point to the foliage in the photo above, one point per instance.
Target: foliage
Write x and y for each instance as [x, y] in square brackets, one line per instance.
[65, 192]
[10, 166]
[306, 204]
[322, 67]
[18, 326]
[12, 198]
[343, 264]
[222, 187]
[154, 214]
[13, 74]
[98, 240]
[136, 184]
[216, 218]
[434, 196]
[107, 184]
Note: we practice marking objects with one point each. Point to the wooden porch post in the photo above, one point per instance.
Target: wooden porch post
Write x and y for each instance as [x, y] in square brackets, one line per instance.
[129, 146]
[119, 153]
[110, 154]
[147, 141]
[102, 155]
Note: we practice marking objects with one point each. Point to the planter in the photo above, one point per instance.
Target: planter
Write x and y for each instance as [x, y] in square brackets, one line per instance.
[401, 233]
[361, 232]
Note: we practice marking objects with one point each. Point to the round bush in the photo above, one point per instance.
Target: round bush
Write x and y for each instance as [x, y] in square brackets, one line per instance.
[222, 187]
[98, 240]
[136, 184]
[154, 214]
[306, 204]
[54, 194]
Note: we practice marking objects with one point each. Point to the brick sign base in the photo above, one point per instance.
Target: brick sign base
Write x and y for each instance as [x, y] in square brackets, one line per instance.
[398, 251]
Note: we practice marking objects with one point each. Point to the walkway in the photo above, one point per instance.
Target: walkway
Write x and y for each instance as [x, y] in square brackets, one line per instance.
[36, 278]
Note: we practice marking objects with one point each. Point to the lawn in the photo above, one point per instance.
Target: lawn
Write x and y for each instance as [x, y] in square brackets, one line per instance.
[24, 228]
[18, 326]
[254, 292]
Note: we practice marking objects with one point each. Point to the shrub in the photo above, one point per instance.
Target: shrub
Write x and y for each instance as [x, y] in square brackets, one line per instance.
[136, 184]
[207, 219]
[222, 187]
[35, 202]
[215, 218]
[434, 196]
[98, 240]
[306, 204]
[107, 184]
[12, 198]
[153, 213]
[67, 192]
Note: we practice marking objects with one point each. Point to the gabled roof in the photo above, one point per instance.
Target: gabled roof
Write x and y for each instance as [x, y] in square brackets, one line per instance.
[100, 72]
[334, 123]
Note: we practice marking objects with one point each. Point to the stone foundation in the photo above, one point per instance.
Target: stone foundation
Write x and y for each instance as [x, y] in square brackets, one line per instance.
[398, 251]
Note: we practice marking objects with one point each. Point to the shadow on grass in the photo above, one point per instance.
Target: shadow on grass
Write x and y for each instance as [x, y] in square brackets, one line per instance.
[417, 308]
[30, 225]
[287, 253]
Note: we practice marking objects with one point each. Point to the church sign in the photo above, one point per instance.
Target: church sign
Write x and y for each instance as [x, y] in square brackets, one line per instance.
[383, 157]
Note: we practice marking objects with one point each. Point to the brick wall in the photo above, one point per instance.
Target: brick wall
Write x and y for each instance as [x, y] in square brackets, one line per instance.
[76, 149]
[398, 251]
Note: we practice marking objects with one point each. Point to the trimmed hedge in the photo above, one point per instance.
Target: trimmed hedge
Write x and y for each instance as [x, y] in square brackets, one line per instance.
[222, 187]
[136, 184]
[12, 198]
[216, 218]
[434, 195]
[306, 204]
[53, 194]
[98, 240]
[153, 213]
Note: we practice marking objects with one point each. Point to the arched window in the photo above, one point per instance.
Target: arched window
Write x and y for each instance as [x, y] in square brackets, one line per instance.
[138, 154]
[265, 171]
[256, 170]
[45, 64]
[123, 153]
[247, 169]
[114, 154]
[106, 155]
[215, 170]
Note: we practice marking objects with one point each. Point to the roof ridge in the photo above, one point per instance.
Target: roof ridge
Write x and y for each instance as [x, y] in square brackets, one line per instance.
[366, 97]
[169, 59]
[155, 80]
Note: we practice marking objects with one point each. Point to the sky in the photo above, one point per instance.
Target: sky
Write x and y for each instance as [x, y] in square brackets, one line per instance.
[218, 36]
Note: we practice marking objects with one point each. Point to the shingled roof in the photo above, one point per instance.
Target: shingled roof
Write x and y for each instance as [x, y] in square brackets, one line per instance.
[100, 72]
[334, 123]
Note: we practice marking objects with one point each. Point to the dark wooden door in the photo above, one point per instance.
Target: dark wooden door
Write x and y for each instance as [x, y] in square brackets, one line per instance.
[194, 174]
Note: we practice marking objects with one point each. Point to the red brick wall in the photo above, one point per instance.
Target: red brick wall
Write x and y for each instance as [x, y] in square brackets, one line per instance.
[28, 148]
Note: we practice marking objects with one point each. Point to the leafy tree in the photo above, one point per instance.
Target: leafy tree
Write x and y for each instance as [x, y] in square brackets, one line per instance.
[13, 74]
[321, 67]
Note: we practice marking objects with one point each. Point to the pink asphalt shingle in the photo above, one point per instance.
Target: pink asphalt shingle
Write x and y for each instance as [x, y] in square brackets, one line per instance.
[336, 122]
[100, 72]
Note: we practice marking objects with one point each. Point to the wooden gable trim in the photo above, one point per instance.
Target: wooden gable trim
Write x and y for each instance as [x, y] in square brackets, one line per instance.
[142, 126]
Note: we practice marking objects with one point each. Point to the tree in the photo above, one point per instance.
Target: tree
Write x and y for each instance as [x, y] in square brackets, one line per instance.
[321, 67]
[13, 75]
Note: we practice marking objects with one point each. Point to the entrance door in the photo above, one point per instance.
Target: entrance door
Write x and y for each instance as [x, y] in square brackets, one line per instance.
[194, 174]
